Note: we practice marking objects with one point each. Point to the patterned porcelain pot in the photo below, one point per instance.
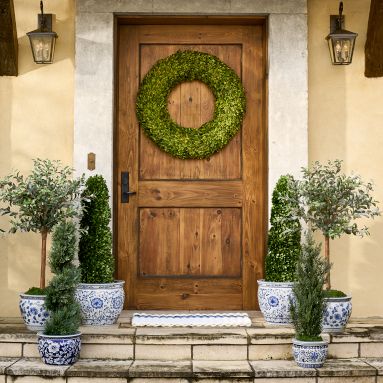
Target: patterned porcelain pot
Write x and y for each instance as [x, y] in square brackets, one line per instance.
[60, 350]
[336, 314]
[101, 303]
[274, 301]
[33, 311]
[310, 354]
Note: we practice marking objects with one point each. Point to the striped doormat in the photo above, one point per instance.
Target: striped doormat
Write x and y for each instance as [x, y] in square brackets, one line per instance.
[191, 320]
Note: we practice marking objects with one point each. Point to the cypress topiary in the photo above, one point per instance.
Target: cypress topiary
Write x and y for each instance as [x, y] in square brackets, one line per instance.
[284, 235]
[60, 301]
[308, 306]
[95, 249]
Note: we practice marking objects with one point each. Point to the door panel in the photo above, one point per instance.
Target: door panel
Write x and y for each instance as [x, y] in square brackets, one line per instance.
[194, 235]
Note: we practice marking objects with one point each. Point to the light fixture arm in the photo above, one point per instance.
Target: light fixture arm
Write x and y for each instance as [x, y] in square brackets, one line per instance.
[340, 19]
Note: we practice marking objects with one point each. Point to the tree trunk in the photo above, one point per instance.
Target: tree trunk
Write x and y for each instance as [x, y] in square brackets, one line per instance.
[374, 42]
[44, 235]
[327, 257]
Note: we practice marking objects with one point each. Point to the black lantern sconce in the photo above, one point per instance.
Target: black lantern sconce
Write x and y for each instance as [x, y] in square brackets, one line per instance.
[43, 39]
[340, 41]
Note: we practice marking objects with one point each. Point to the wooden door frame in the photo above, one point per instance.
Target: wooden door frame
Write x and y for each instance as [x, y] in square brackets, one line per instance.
[253, 266]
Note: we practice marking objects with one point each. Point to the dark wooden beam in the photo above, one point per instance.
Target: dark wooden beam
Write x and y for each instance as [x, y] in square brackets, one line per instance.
[8, 39]
[374, 42]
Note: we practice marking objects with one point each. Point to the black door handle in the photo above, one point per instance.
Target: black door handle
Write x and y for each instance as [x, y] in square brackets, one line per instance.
[125, 193]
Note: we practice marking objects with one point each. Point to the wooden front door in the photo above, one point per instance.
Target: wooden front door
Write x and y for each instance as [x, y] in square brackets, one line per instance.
[193, 237]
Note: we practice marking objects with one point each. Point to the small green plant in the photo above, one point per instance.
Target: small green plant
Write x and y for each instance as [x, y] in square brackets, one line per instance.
[331, 201]
[284, 243]
[308, 306]
[40, 201]
[95, 254]
[60, 301]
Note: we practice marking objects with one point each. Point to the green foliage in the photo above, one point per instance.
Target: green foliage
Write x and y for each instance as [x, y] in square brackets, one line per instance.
[95, 255]
[41, 200]
[284, 235]
[36, 291]
[152, 104]
[331, 201]
[334, 294]
[60, 301]
[307, 308]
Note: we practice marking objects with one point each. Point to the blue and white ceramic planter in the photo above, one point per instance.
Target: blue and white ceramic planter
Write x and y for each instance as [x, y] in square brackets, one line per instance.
[33, 311]
[60, 350]
[274, 301]
[336, 314]
[310, 354]
[101, 303]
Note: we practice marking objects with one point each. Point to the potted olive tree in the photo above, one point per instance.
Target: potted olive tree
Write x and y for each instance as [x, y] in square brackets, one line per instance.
[101, 297]
[60, 342]
[309, 349]
[330, 201]
[275, 291]
[37, 203]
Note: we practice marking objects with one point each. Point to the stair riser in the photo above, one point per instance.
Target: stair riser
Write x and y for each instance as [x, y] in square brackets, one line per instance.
[197, 352]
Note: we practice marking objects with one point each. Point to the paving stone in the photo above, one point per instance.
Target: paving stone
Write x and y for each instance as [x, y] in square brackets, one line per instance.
[6, 362]
[100, 368]
[270, 335]
[220, 352]
[106, 351]
[163, 352]
[222, 369]
[16, 333]
[77, 379]
[286, 380]
[10, 349]
[346, 367]
[280, 369]
[2, 379]
[348, 379]
[109, 335]
[343, 350]
[150, 380]
[35, 367]
[352, 335]
[270, 351]
[376, 333]
[371, 350]
[376, 363]
[30, 350]
[190, 336]
[36, 379]
[234, 380]
[161, 369]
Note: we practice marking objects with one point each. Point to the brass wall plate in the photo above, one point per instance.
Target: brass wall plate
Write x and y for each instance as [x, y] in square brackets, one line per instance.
[91, 161]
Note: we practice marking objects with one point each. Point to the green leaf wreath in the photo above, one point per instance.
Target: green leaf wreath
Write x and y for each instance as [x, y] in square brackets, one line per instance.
[152, 104]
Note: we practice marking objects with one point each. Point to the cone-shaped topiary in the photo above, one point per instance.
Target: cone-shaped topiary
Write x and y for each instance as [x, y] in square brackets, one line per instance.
[95, 252]
[284, 235]
[60, 301]
[308, 306]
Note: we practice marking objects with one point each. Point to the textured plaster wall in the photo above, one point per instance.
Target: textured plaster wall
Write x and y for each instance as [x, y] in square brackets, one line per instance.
[346, 122]
[36, 120]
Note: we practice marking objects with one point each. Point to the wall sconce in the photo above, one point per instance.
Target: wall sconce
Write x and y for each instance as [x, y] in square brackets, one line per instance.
[43, 39]
[340, 41]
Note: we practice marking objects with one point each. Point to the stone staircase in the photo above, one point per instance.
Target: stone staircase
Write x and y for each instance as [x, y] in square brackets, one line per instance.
[261, 353]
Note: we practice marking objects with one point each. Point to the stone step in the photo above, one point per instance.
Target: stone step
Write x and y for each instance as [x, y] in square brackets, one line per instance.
[195, 344]
[30, 370]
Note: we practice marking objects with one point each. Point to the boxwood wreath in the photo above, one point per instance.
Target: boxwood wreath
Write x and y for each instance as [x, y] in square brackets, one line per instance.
[152, 104]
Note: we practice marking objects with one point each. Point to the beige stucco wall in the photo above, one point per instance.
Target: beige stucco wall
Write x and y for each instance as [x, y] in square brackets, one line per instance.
[345, 119]
[346, 122]
[36, 120]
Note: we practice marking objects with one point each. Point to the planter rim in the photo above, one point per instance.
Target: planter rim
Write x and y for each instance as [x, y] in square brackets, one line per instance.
[105, 285]
[32, 296]
[277, 284]
[310, 343]
[338, 299]
[76, 335]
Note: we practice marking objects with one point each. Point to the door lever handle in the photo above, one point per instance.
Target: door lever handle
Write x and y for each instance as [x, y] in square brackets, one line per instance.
[125, 193]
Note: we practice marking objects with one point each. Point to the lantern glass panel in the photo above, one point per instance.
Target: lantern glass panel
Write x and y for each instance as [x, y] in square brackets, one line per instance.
[43, 45]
